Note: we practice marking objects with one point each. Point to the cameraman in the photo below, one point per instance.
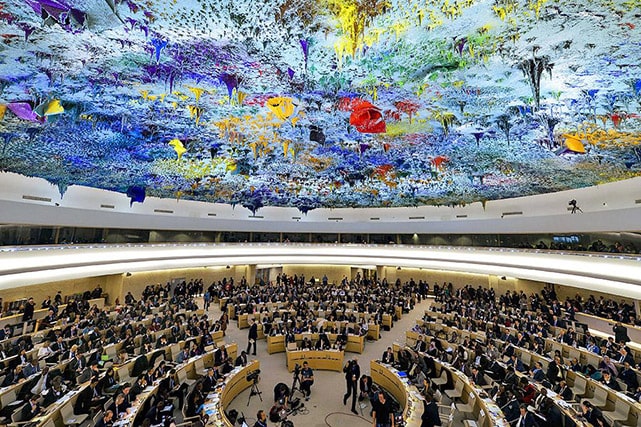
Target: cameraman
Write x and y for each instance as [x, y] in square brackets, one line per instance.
[307, 375]
[352, 374]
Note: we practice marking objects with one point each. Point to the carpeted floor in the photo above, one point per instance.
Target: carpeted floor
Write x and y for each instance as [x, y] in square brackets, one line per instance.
[325, 407]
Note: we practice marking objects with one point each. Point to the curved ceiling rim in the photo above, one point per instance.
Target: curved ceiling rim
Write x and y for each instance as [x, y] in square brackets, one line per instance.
[573, 275]
[89, 207]
[408, 262]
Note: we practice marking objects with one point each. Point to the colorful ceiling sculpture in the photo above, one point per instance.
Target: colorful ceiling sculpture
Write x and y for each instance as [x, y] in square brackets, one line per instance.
[321, 103]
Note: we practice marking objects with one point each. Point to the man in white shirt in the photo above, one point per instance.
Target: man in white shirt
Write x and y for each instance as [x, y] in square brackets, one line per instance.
[45, 351]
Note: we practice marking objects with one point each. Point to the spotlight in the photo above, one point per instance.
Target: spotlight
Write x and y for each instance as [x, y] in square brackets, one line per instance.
[228, 267]
[128, 274]
[398, 268]
[503, 278]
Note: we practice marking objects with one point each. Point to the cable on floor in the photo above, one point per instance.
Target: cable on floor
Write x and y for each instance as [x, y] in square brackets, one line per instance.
[344, 413]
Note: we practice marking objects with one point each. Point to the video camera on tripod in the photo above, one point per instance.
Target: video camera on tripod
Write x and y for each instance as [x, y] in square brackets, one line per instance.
[253, 376]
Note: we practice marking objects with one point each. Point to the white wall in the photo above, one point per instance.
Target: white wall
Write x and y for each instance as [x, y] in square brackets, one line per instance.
[609, 207]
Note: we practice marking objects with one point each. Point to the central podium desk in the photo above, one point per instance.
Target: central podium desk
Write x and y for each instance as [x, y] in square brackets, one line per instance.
[326, 360]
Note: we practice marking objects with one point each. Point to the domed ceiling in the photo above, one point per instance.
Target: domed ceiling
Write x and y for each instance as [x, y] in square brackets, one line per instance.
[321, 103]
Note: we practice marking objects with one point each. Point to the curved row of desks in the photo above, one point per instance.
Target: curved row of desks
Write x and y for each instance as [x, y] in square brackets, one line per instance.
[406, 394]
[485, 410]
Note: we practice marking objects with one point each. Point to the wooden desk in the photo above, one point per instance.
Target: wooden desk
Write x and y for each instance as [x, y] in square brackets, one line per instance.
[355, 344]
[405, 394]
[387, 320]
[493, 414]
[373, 332]
[328, 360]
[275, 344]
[219, 400]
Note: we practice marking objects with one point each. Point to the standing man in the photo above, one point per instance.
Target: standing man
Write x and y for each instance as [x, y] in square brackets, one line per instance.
[253, 336]
[27, 315]
[307, 375]
[620, 332]
[382, 414]
[352, 374]
[430, 417]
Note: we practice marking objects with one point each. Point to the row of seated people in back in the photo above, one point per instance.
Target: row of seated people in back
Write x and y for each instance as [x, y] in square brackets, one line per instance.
[367, 297]
[292, 327]
[28, 307]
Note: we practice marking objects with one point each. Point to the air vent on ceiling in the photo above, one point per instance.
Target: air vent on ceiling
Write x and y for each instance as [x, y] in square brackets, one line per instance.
[107, 206]
[334, 219]
[637, 201]
[296, 217]
[417, 217]
[461, 216]
[211, 214]
[165, 211]
[255, 216]
[512, 213]
[36, 198]
[375, 219]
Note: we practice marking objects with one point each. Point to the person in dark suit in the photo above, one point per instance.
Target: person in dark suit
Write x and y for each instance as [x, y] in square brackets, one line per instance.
[625, 356]
[241, 360]
[553, 372]
[620, 333]
[140, 365]
[209, 382]
[352, 374]
[564, 391]
[155, 413]
[137, 388]
[593, 415]
[220, 356]
[609, 381]
[106, 419]
[77, 364]
[55, 392]
[365, 385]
[510, 379]
[119, 406]
[29, 307]
[516, 362]
[388, 356]
[84, 402]
[252, 336]
[31, 409]
[526, 419]
[430, 417]
[629, 377]
[174, 388]
[537, 372]
[477, 376]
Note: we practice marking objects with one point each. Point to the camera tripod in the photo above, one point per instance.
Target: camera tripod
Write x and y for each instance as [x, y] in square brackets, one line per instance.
[255, 391]
[295, 385]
